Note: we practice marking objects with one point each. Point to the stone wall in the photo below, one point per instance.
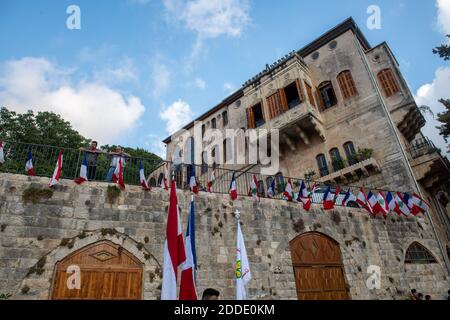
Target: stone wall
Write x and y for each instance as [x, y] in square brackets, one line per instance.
[82, 215]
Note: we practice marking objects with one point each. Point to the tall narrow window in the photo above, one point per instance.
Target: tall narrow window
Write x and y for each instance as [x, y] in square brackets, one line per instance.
[418, 254]
[255, 116]
[275, 105]
[347, 84]
[388, 82]
[350, 153]
[327, 95]
[227, 150]
[309, 93]
[225, 118]
[322, 164]
[336, 159]
[203, 130]
[213, 123]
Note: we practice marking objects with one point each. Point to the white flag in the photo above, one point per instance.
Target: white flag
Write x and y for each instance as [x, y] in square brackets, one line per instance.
[243, 274]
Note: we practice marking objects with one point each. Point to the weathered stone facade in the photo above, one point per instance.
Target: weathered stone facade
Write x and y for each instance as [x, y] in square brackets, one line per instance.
[32, 234]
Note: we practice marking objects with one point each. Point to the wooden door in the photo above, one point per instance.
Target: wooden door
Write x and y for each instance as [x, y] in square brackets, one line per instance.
[318, 269]
[107, 272]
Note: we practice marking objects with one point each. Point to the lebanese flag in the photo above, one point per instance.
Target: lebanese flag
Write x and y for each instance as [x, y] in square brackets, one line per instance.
[143, 181]
[2, 154]
[118, 174]
[346, 197]
[419, 204]
[304, 197]
[402, 207]
[83, 171]
[212, 178]
[362, 200]
[189, 267]
[390, 202]
[288, 191]
[57, 173]
[254, 188]
[174, 252]
[328, 198]
[193, 181]
[382, 205]
[29, 164]
[164, 181]
[372, 201]
[233, 190]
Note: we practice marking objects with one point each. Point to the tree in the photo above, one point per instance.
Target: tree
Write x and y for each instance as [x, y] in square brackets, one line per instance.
[444, 117]
[443, 50]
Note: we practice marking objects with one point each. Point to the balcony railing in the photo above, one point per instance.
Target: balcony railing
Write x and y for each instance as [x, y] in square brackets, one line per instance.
[422, 147]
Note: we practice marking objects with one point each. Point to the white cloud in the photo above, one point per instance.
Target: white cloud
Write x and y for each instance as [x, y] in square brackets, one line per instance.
[229, 87]
[125, 71]
[200, 83]
[211, 18]
[155, 145]
[443, 7]
[428, 95]
[160, 78]
[176, 115]
[93, 108]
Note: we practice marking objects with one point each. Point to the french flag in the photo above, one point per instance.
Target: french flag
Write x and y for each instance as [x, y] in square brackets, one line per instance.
[118, 174]
[346, 198]
[390, 202]
[142, 179]
[193, 181]
[57, 173]
[288, 191]
[174, 252]
[29, 164]
[2, 155]
[233, 189]
[83, 171]
[189, 267]
[271, 189]
[329, 199]
[303, 196]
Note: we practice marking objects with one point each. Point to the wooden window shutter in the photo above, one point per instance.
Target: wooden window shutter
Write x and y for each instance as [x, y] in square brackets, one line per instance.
[250, 118]
[343, 86]
[350, 84]
[283, 101]
[388, 82]
[310, 95]
[319, 99]
[301, 94]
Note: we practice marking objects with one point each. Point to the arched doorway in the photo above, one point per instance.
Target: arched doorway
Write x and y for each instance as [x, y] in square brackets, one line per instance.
[108, 272]
[318, 269]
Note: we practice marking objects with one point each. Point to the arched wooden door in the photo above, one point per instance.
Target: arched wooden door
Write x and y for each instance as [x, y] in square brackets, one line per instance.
[108, 272]
[318, 269]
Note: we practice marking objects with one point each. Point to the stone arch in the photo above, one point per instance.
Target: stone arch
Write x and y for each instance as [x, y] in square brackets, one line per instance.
[39, 280]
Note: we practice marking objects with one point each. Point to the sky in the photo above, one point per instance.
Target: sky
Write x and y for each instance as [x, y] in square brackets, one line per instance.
[138, 70]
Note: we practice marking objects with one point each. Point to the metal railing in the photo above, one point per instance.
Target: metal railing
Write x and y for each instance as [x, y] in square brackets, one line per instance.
[424, 146]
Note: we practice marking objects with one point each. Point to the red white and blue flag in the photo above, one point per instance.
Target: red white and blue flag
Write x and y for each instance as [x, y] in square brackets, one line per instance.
[288, 191]
[419, 204]
[174, 252]
[329, 199]
[83, 171]
[233, 189]
[271, 189]
[346, 198]
[143, 181]
[304, 196]
[189, 267]
[29, 164]
[193, 181]
[390, 201]
[54, 180]
[362, 200]
[2, 154]
[118, 174]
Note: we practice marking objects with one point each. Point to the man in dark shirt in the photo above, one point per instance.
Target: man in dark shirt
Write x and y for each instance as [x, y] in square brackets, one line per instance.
[91, 156]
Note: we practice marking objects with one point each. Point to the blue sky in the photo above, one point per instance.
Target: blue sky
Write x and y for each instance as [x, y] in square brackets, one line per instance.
[138, 69]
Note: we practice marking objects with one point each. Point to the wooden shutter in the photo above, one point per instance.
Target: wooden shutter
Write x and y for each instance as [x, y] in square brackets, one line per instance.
[250, 118]
[274, 104]
[347, 84]
[388, 82]
[350, 84]
[310, 95]
[301, 94]
[319, 99]
[283, 100]
[343, 85]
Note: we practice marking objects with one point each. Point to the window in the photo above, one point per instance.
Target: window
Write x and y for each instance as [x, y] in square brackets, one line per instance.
[225, 118]
[346, 84]
[227, 149]
[418, 254]
[327, 96]
[292, 95]
[275, 105]
[310, 94]
[203, 130]
[388, 82]
[255, 116]
[213, 123]
[350, 153]
[322, 164]
[336, 159]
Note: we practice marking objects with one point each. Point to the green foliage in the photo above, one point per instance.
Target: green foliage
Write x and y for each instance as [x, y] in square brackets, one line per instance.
[5, 296]
[444, 118]
[310, 175]
[34, 195]
[443, 50]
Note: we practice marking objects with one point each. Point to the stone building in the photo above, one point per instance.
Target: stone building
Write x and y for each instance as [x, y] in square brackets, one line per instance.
[329, 99]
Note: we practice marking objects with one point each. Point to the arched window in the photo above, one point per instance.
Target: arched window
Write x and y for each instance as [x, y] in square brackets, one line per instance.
[327, 96]
[418, 254]
[347, 84]
[388, 82]
[350, 152]
[225, 118]
[322, 164]
[336, 159]
[213, 123]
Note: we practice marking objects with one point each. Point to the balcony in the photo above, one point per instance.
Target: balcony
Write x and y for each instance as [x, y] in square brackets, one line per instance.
[352, 172]
[411, 123]
[430, 167]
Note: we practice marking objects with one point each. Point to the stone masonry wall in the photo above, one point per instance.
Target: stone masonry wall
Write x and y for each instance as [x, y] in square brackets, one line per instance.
[82, 215]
